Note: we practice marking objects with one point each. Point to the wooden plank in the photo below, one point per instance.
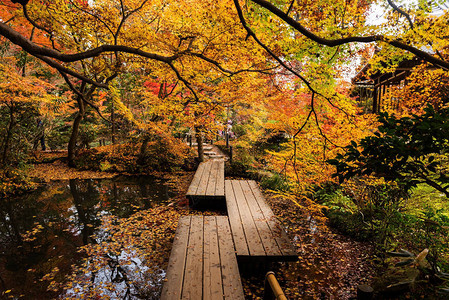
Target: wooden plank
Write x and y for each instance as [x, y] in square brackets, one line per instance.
[241, 246]
[196, 179]
[279, 233]
[175, 272]
[269, 242]
[212, 281]
[202, 186]
[249, 227]
[232, 285]
[193, 275]
[220, 186]
[212, 182]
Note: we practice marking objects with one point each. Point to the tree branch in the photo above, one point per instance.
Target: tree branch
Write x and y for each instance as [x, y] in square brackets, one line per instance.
[32, 22]
[34, 49]
[253, 35]
[217, 64]
[81, 96]
[435, 185]
[402, 12]
[65, 70]
[360, 39]
[290, 7]
[314, 92]
[186, 83]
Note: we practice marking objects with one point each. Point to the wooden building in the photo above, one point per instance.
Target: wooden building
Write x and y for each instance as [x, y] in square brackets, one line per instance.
[372, 89]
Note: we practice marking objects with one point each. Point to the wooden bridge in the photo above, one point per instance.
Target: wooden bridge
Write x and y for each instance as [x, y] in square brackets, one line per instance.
[203, 262]
[255, 229]
[207, 188]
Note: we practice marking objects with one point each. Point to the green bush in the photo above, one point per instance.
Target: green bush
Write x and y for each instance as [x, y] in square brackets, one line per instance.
[365, 211]
[350, 224]
[274, 182]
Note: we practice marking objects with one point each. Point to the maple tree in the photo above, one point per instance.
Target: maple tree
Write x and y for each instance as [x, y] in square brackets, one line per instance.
[186, 43]
[21, 100]
[176, 43]
[424, 86]
[413, 30]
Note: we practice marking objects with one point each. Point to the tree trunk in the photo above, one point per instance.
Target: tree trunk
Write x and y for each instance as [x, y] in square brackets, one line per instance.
[11, 124]
[113, 122]
[75, 130]
[143, 151]
[83, 217]
[199, 140]
[435, 185]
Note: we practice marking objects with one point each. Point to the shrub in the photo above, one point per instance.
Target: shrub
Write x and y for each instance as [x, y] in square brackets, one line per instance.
[160, 155]
[274, 181]
[13, 181]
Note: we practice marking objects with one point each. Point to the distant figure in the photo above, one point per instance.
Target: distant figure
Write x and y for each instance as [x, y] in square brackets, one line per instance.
[229, 127]
[229, 132]
[40, 135]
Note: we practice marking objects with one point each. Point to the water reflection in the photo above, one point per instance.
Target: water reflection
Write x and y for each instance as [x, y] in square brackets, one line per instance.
[41, 231]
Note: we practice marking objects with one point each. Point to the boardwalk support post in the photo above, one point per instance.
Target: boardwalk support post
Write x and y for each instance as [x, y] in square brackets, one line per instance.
[230, 154]
[272, 288]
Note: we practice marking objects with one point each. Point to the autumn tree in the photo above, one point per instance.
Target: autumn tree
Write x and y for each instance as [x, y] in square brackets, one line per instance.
[188, 45]
[21, 100]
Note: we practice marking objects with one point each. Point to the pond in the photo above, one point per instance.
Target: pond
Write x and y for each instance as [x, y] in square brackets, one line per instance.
[45, 228]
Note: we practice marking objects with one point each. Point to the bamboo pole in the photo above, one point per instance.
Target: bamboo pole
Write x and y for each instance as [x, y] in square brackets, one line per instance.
[272, 288]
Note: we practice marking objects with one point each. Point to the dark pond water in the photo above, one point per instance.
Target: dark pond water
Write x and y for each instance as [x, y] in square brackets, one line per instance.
[65, 213]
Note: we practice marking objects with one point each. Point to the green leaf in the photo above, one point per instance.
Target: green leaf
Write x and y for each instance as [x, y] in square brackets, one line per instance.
[405, 262]
[401, 253]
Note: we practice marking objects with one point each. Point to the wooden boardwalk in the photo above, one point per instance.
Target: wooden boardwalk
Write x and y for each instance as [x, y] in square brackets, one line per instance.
[202, 263]
[255, 229]
[208, 183]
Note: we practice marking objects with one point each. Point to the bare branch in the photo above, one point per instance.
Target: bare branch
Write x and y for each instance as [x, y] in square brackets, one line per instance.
[314, 92]
[93, 15]
[186, 83]
[81, 96]
[174, 86]
[32, 22]
[253, 35]
[125, 17]
[217, 64]
[10, 19]
[402, 12]
[290, 7]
